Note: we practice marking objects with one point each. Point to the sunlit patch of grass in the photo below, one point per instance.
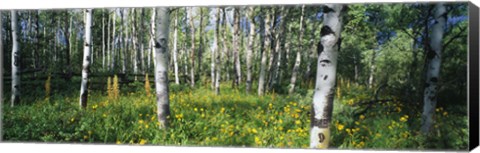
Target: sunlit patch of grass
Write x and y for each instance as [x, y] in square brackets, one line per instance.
[233, 118]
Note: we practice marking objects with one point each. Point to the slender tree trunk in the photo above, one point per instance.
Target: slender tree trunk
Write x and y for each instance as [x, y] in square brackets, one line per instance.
[103, 39]
[214, 48]
[192, 53]
[136, 60]
[219, 54]
[250, 48]
[125, 42]
[266, 48]
[236, 53]
[433, 68]
[200, 47]
[141, 40]
[15, 61]
[152, 39]
[371, 78]
[86, 59]
[279, 34]
[298, 58]
[108, 41]
[225, 47]
[67, 34]
[321, 114]
[161, 68]
[114, 22]
[37, 42]
[175, 37]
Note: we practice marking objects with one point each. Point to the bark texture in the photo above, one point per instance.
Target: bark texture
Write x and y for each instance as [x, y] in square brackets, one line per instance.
[321, 114]
[86, 58]
[15, 61]
[433, 68]
[161, 66]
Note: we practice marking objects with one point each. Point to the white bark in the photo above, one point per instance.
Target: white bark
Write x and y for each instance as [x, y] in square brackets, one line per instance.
[433, 69]
[219, 54]
[161, 68]
[108, 40]
[103, 39]
[250, 48]
[152, 39]
[86, 59]
[114, 22]
[266, 48]
[15, 61]
[175, 35]
[214, 48]
[236, 52]
[326, 75]
[192, 56]
[298, 58]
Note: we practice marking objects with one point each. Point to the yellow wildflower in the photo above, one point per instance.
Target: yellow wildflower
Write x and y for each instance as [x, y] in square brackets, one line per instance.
[362, 117]
[142, 141]
[340, 127]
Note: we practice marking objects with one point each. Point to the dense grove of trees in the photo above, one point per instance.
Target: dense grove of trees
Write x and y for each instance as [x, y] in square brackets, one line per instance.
[414, 51]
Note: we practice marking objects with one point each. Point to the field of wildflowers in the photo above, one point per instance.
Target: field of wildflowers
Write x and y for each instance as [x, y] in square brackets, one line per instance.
[234, 118]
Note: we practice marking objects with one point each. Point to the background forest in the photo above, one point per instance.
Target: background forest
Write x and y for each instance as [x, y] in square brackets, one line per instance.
[237, 76]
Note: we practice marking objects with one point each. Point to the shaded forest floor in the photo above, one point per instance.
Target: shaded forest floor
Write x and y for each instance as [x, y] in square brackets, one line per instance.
[234, 118]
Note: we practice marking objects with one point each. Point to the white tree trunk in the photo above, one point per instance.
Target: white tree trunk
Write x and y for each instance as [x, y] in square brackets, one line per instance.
[152, 39]
[114, 22]
[214, 48]
[266, 48]
[298, 58]
[103, 39]
[108, 40]
[175, 35]
[125, 42]
[161, 68]
[15, 61]
[433, 69]
[219, 54]
[86, 59]
[371, 78]
[236, 52]
[250, 48]
[326, 75]
[192, 52]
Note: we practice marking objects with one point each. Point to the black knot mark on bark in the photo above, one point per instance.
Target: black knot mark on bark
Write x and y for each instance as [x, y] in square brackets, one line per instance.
[16, 86]
[321, 137]
[319, 48]
[339, 43]
[326, 30]
[431, 54]
[327, 9]
[325, 77]
[324, 62]
[321, 123]
[16, 58]
[444, 15]
[434, 79]
[86, 45]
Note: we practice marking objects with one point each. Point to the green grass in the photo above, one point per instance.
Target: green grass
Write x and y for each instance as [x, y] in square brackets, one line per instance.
[234, 118]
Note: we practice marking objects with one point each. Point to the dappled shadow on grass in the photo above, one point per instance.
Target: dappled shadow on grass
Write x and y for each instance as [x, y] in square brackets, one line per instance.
[233, 118]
